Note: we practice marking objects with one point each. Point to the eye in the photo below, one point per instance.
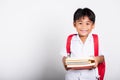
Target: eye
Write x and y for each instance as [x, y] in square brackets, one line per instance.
[80, 23]
[87, 23]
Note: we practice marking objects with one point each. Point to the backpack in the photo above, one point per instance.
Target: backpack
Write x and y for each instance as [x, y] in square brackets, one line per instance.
[101, 66]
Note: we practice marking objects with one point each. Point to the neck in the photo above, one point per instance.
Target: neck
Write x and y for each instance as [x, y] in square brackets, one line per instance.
[83, 38]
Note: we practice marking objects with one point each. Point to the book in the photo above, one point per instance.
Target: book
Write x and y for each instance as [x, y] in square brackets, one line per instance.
[79, 62]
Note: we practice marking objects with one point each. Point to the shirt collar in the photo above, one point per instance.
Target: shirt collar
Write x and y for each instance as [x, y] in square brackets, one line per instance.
[89, 38]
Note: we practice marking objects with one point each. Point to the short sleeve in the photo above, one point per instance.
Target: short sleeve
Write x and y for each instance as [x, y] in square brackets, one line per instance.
[63, 51]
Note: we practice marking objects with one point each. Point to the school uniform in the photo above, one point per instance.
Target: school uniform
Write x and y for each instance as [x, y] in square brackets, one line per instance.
[78, 49]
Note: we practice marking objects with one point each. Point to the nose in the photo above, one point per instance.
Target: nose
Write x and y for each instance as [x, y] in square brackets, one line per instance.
[83, 25]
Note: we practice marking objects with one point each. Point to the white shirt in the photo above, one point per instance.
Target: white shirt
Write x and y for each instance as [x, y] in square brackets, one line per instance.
[78, 49]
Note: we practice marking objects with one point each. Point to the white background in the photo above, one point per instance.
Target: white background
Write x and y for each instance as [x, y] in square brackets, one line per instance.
[32, 33]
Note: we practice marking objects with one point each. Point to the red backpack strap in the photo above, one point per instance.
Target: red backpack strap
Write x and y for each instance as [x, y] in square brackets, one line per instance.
[69, 43]
[101, 66]
[96, 44]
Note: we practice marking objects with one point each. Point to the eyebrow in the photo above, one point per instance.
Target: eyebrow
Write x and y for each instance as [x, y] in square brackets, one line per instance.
[82, 21]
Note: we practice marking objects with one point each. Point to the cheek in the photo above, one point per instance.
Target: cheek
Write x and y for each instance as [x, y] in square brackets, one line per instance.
[90, 27]
[79, 27]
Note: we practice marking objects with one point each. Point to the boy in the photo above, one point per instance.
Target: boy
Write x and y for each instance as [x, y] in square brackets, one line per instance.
[82, 45]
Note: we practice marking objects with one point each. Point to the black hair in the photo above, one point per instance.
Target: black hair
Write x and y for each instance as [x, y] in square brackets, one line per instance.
[79, 13]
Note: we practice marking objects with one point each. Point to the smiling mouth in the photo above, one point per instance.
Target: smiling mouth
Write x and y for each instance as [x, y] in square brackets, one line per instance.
[83, 31]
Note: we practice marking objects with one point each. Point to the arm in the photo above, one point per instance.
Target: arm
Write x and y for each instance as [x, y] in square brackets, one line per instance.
[63, 60]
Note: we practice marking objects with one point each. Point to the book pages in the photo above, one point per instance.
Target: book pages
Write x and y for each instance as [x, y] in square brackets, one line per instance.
[80, 62]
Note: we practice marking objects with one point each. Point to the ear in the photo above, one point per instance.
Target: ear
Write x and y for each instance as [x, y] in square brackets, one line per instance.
[74, 24]
[93, 26]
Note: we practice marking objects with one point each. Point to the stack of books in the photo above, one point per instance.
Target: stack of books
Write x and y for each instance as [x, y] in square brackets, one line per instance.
[80, 62]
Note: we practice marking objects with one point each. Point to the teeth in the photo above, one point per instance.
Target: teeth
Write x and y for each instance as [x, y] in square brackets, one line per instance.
[83, 31]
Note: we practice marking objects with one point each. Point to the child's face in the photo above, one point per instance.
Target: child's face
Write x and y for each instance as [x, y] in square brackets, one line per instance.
[83, 26]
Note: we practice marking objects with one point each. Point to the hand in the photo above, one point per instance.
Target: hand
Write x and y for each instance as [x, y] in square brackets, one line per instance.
[96, 61]
[65, 66]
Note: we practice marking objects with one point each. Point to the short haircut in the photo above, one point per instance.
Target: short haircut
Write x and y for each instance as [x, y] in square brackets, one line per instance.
[79, 13]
